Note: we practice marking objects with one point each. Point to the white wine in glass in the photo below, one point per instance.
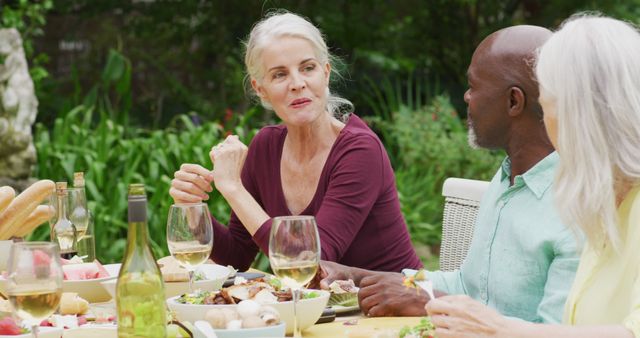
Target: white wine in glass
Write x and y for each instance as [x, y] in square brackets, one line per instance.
[294, 253]
[189, 235]
[34, 285]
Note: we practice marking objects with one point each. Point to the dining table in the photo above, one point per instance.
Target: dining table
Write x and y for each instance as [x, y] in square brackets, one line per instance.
[352, 325]
[360, 326]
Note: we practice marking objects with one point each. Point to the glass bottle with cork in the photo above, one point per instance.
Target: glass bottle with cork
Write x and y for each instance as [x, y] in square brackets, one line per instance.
[80, 216]
[140, 289]
[64, 232]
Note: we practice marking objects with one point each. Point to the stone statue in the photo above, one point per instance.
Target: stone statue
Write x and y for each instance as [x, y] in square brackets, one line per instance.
[18, 110]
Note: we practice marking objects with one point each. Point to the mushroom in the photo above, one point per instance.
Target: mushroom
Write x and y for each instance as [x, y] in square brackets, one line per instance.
[234, 325]
[269, 315]
[252, 322]
[217, 318]
[230, 315]
[248, 308]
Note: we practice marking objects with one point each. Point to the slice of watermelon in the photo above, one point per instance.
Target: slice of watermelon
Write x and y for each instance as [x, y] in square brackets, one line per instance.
[80, 271]
[84, 271]
[102, 272]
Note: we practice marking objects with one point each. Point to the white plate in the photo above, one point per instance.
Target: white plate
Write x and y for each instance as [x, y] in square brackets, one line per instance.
[92, 331]
[88, 289]
[267, 331]
[215, 275]
[43, 332]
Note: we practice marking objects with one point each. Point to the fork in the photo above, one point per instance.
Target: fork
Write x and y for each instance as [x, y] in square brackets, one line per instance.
[427, 286]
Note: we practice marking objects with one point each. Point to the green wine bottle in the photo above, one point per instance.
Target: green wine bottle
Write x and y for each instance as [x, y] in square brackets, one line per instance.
[140, 290]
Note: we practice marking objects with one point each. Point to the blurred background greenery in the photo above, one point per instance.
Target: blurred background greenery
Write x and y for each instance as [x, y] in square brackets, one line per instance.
[130, 89]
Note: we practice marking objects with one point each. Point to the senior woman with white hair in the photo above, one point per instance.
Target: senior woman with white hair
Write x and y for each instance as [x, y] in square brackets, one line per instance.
[318, 162]
[589, 78]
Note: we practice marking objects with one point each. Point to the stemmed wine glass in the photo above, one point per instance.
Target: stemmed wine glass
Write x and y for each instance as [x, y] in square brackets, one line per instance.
[294, 254]
[35, 281]
[189, 235]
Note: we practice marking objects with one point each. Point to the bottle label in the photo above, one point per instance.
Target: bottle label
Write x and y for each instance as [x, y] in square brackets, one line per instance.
[137, 210]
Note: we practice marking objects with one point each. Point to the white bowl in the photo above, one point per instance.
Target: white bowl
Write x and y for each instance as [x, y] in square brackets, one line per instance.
[267, 331]
[5, 249]
[88, 289]
[91, 289]
[309, 310]
[215, 275]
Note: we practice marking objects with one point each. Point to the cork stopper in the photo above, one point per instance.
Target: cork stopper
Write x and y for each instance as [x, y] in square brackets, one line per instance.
[78, 179]
[61, 188]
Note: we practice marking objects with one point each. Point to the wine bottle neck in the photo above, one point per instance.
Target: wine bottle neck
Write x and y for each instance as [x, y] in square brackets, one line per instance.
[137, 235]
[62, 206]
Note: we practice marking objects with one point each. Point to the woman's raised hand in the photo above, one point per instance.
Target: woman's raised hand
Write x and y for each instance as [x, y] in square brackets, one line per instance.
[228, 158]
[191, 184]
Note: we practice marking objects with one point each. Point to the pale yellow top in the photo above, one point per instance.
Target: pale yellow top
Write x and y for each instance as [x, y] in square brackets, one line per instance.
[606, 289]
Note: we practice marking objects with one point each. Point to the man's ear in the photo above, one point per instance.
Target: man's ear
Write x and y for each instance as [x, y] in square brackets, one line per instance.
[517, 101]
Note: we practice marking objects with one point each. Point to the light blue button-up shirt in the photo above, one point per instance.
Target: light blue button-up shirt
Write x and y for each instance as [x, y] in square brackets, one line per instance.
[522, 259]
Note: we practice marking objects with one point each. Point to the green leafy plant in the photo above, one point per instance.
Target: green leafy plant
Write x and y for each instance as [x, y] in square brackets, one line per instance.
[112, 159]
[430, 145]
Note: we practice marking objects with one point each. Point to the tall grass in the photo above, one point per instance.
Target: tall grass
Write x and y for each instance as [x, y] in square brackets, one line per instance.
[113, 158]
[429, 144]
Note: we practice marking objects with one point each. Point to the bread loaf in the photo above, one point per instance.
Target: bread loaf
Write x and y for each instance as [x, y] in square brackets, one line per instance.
[72, 304]
[172, 271]
[5, 306]
[7, 194]
[42, 214]
[12, 218]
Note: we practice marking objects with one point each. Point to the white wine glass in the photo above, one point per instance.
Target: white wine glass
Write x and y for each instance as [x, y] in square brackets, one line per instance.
[189, 235]
[294, 254]
[34, 285]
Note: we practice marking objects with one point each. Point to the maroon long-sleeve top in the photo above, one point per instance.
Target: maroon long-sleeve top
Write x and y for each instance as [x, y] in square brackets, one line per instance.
[355, 204]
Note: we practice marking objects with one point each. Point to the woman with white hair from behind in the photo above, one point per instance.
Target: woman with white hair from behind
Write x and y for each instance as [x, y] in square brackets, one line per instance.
[589, 78]
[318, 162]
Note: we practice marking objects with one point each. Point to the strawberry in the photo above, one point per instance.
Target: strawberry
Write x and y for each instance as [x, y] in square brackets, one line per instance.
[9, 327]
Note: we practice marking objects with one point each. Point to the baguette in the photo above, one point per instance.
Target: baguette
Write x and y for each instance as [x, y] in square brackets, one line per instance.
[172, 271]
[12, 218]
[72, 304]
[7, 194]
[42, 214]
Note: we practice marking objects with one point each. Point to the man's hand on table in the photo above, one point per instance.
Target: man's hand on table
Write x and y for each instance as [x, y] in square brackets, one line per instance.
[332, 271]
[383, 295]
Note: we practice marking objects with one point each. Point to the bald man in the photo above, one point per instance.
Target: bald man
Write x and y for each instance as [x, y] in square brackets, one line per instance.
[522, 259]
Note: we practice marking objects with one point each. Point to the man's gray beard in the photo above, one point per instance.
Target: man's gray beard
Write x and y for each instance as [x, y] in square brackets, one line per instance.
[472, 138]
